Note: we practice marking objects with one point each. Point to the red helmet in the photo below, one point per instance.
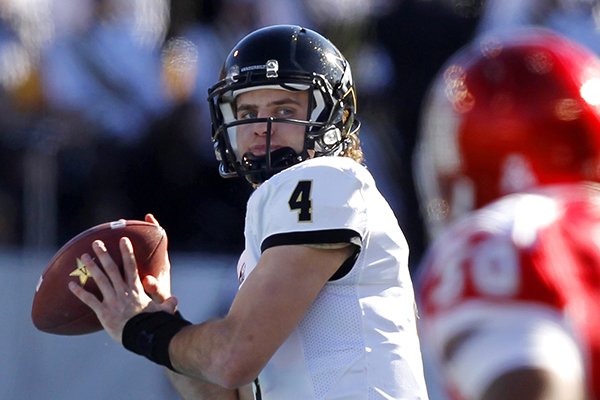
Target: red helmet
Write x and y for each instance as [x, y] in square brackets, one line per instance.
[507, 113]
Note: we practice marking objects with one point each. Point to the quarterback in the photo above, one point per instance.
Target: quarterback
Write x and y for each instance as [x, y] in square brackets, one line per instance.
[325, 307]
[508, 169]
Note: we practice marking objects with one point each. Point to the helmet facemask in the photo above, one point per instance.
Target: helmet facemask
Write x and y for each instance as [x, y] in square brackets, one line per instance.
[320, 138]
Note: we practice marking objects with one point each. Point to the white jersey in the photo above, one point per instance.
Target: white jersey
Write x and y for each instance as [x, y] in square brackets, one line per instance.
[358, 340]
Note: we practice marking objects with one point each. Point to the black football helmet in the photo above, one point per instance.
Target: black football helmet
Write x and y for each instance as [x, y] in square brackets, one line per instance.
[292, 58]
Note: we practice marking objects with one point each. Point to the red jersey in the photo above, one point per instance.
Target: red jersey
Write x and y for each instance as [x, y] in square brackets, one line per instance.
[526, 257]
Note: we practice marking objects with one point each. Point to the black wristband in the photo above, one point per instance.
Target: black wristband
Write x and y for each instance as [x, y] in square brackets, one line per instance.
[149, 335]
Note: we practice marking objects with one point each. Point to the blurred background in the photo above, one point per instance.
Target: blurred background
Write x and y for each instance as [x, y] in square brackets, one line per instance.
[104, 112]
[104, 116]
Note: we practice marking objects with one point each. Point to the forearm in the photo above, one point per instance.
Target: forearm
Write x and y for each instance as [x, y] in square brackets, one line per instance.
[232, 351]
[197, 389]
[214, 351]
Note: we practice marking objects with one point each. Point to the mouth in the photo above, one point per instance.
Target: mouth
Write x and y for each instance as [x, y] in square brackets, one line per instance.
[261, 150]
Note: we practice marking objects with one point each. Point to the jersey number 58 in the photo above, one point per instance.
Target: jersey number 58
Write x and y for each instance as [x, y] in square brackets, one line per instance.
[490, 265]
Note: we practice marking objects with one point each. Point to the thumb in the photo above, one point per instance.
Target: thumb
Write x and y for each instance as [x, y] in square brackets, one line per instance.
[151, 287]
[150, 218]
[169, 305]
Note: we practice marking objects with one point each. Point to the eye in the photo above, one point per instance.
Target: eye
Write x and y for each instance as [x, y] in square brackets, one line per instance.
[286, 112]
[247, 114]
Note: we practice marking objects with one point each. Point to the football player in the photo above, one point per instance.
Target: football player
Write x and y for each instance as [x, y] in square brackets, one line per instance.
[325, 307]
[508, 166]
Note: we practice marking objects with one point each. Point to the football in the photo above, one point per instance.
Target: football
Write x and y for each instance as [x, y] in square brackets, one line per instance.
[55, 309]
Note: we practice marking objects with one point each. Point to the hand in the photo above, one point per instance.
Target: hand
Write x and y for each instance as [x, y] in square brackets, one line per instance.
[121, 298]
[158, 287]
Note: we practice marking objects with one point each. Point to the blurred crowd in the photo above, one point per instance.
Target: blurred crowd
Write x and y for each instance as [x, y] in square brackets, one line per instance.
[104, 110]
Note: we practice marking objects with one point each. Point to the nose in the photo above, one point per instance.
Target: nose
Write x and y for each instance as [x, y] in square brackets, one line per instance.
[261, 128]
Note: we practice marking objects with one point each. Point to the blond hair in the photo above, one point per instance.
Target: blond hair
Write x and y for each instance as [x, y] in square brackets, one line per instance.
[353, 149]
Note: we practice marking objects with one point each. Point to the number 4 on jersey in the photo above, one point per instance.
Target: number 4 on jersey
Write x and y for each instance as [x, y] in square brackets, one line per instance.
[300, 200]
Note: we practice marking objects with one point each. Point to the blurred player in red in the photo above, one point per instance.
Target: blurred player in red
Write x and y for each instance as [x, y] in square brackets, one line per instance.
[508, 165]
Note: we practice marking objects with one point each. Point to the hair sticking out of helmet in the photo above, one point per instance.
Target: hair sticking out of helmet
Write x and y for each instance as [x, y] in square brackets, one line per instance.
[505, 114]
[290, 58]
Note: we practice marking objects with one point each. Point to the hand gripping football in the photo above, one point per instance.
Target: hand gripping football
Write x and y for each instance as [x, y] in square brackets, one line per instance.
[55, 309]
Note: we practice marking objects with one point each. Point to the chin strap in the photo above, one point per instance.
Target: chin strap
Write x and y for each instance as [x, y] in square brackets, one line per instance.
[258, 169]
